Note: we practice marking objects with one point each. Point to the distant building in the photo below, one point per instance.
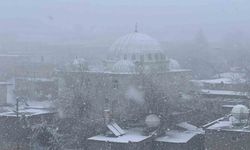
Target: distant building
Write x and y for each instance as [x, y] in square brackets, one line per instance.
[228, 81]
[37, 89]
[224, 90]
[16, 131]
[230, 132]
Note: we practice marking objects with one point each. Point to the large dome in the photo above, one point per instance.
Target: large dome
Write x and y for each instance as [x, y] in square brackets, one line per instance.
[141, 50]
[134, 46]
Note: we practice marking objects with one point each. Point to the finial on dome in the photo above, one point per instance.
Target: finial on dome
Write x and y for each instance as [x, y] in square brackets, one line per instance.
[136, 28]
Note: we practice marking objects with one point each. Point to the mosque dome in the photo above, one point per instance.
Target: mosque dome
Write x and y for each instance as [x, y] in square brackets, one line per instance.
[240, 112]
[136, 46]
[124, 66]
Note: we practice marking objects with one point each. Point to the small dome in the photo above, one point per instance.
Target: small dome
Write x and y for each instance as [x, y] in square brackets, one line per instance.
[124, 66]
[152, 121]
[240, 112]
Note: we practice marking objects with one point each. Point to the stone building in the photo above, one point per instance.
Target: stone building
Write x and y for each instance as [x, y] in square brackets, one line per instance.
[135, 71]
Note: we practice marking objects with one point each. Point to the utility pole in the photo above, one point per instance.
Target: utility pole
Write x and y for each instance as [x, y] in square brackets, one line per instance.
[17, 107]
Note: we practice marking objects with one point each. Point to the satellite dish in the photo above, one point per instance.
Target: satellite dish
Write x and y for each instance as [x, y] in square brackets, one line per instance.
[240, 112]
[152, 121]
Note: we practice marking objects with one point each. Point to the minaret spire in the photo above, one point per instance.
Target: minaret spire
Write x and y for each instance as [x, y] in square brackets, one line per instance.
[136, 27]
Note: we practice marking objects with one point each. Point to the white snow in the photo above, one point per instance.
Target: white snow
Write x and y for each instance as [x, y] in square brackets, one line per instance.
[26, 112]
[187, 126]
[225, 78]
[175, 136]
[226, 125]
[221, 124]
[36, 79]
[132, 135]
[223, 92]
[33, 108]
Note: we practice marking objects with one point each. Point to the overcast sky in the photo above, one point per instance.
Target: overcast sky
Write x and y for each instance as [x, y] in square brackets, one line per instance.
[166, 19]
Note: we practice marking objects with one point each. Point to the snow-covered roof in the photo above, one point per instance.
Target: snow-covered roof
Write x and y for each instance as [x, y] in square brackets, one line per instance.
[6, 83]
[226, 78]
[135, 43]
[26, 112]
[179, 70]
[232, 75]
[187, 126]
[32, 108]
[176, 136]
[226, 124]
[132, 135]
[217, 81]
[36, 79]
[223, 92]
[221, 125]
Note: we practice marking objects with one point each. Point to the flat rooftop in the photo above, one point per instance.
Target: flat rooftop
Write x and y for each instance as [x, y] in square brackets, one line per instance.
[176, 136]
[225, 124]
[132, 135]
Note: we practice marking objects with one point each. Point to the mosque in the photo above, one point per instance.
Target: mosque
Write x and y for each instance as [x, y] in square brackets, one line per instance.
[135, 72]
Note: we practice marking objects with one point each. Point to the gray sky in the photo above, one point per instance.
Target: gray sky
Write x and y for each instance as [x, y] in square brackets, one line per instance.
[166, 19]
